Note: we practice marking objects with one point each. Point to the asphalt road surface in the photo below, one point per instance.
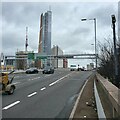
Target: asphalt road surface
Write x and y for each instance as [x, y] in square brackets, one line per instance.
[44, 95]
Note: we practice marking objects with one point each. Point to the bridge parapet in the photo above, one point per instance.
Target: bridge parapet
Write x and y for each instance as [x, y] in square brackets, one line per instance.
[112, 94]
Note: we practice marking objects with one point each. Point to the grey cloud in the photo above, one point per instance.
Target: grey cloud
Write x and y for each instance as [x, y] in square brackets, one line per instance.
[67, 30]
[12, 40]
[81, 30]
[103, 14]
[22, 13]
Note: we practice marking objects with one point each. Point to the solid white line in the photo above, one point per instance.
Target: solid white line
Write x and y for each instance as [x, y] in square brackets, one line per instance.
[78, 98]
[32, 94]
[11, 105]
[43, 88]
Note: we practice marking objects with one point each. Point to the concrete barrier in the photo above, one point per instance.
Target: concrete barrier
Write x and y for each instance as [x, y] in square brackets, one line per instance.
[112, 93]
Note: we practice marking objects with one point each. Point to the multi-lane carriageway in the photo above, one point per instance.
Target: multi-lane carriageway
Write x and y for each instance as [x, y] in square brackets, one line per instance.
[44, 95]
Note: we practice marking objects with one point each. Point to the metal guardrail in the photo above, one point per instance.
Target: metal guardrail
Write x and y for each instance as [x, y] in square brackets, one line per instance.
[100, 110]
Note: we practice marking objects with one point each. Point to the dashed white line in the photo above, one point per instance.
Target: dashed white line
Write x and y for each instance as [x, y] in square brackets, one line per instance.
[43, 88]
[11, 105]
[33, 79]
[17, 76]
[30, 79]
[30, 95]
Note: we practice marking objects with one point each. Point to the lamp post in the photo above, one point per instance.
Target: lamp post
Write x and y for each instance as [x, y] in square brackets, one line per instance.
[94, 19]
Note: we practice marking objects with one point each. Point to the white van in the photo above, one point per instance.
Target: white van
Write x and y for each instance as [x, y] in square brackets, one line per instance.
[73, 67]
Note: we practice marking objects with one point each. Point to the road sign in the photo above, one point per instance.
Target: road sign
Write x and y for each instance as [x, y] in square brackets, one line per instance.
[31, 56]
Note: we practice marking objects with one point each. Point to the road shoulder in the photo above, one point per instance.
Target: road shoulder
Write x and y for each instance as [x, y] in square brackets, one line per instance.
[86, 107]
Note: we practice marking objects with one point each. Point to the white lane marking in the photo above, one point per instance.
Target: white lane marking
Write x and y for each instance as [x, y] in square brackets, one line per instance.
[17, 76]
[16, 83]
[30, 95]
[53, 83]
[48, 75]
[11, 105]
[30, 79]
[30, 74]
[43, 88]
[33, 79]
[59, 80]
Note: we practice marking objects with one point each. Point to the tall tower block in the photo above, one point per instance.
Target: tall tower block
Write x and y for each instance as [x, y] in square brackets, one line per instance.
[45, 33]
[40, 34]
[44, 46]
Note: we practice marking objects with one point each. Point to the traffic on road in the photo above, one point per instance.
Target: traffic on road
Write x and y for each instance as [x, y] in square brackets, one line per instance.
[44, 95]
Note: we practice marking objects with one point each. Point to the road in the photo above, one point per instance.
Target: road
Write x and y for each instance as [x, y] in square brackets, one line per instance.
[44, 95]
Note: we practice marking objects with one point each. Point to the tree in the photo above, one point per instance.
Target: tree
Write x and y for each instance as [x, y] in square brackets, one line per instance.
[106, 60]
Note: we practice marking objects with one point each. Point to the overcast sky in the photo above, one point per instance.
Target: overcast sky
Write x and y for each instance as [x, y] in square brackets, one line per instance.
[68, 31]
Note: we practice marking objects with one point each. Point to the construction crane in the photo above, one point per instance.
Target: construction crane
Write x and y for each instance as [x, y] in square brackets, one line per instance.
[26, 43]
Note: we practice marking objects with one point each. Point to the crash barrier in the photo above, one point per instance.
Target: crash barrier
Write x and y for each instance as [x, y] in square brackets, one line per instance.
[100, 110]
[112, 94]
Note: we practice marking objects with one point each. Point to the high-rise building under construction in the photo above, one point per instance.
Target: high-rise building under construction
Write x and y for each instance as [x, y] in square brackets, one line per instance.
[45, 33]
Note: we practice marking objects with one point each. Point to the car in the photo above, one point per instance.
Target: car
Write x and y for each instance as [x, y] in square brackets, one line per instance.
[32, 70]
[73, 67]
[48, 70]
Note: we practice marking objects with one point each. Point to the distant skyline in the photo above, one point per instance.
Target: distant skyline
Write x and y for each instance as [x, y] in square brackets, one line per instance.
[68, 31]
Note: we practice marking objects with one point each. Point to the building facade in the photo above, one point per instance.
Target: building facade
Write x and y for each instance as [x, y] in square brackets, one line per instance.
[65, 63]
[21, 60]
[90, 66]
[57, 63]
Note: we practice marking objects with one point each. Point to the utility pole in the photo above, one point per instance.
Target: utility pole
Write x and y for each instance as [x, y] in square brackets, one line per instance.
[115, 52]
[95, 44]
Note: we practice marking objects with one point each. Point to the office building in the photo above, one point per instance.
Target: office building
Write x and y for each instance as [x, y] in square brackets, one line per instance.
[57, 62]
[45, 33]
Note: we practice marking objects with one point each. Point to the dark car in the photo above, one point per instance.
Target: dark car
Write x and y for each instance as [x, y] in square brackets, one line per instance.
[48, 70]
[32, 70]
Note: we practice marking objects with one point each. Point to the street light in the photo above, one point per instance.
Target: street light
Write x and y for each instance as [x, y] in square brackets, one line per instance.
[94, 19]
